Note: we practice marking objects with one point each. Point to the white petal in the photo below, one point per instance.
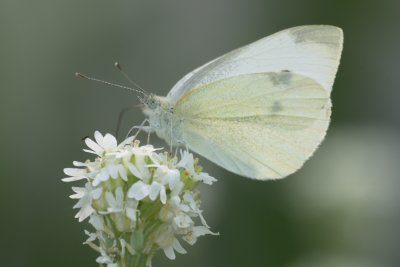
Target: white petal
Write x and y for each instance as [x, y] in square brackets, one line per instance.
[183, 221]
[84, 213]
[79, 189]
[96, 193]
[203, 221]
[187, 161]
[126, 154]
[131, 207]
[163, 195]
[131, 213]
[90, 151]
[142, 166]
[177, 189]
[127, 141]
[173, 178]
[201, 230]
[75, 172]
[138, 191]
[175, 201]
[147, 150]
[184, 208]
[196, 232]
[94, 146]
[96, 181]
[96, 221]
[155, 158]
[177, 246]
[111, 200]
[72, 179]
[98, 137]
[79, 164]
[119, 196]
[183, 161]
[169, 252]
[92, 237]
[206, 178]
[84, 201]
[122, 172]
[80, 192]
[103, 258]
[112, 170]
[189, 199]
[109, 141]
[102, 176]
[161, 170]
[105, 175]
[134, 171]
[154, 190]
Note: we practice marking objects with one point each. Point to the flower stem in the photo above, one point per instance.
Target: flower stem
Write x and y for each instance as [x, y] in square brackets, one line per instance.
[139, 261]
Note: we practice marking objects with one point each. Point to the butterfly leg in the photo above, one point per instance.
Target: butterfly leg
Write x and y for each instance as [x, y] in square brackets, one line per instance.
[140, 128]
[148, 136]
[187, 148]
[180, 144]
[176, 152]
[170, 134]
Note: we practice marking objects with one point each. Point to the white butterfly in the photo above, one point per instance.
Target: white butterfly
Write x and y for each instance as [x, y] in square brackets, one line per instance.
[259, 111]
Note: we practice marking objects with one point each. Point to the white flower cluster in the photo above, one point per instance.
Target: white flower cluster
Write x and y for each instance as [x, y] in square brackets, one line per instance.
[137, 200]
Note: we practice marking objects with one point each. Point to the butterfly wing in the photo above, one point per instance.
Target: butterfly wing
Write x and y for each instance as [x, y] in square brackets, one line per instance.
[262, 126]
[313, 51]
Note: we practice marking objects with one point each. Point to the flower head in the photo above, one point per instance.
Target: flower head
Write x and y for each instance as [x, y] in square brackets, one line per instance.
[138, 200]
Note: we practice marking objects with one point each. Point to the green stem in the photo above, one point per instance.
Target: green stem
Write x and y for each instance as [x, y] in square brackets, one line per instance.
[139, 260]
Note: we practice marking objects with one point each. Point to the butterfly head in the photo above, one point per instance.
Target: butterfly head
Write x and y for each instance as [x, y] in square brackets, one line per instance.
[150, 101]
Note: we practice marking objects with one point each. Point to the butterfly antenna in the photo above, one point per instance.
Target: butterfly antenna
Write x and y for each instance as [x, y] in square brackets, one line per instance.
[80, 75]
[119, 67]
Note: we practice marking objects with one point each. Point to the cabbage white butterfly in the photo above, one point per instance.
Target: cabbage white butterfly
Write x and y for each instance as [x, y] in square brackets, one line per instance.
[259, 111]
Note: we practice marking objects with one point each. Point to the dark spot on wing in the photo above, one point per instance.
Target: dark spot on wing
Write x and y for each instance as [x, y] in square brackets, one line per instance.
[283, 77]
[328, 36]
[276, 107]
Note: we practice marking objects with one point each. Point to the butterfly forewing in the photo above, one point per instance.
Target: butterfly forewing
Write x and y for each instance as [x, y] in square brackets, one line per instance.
[313, 51]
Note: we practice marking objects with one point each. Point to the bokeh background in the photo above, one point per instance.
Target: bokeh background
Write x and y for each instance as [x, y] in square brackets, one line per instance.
[341, 210]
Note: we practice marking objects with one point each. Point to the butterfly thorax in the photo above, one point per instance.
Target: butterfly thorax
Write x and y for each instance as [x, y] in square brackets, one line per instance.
[162, 120]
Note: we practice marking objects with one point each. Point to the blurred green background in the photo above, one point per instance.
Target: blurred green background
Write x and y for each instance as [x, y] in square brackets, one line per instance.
[341, 210]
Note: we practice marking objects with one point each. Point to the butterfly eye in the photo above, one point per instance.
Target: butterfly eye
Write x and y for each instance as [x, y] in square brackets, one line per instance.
[152, 103]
